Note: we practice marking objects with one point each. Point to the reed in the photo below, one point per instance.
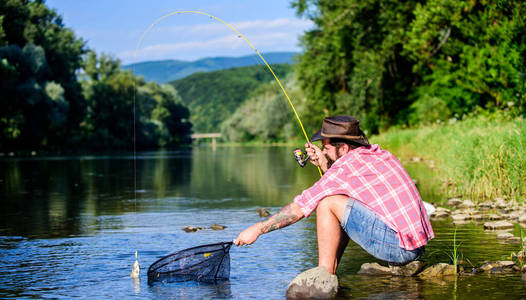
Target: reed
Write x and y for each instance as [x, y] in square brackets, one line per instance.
[481, 157]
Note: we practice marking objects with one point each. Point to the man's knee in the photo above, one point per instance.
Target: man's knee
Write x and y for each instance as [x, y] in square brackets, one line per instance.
[334, 204]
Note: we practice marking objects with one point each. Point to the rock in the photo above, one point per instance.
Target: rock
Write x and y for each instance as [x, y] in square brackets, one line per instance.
[500, 202]
[522, 218]
[217, 227]
[440, 214]
[438, 270]
[410, 269]
[313, 283]
[497, 225]
[443, 209]
[497, 265]
[485, 205]
[523, 270]
[504, 236]
[467, 204]
[515, 215]
[523, 278]
[514, 240]
[494, 217]
[190, 228]
[416, 159]
[263, 212]
[460, 217]
[502, 270]
[454, 202]
[373, 269]
[477, 217]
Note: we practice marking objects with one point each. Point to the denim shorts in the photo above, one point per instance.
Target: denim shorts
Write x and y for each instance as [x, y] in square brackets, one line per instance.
[367, 230]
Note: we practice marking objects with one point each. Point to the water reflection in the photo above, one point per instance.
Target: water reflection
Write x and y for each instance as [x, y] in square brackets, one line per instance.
[69, 227]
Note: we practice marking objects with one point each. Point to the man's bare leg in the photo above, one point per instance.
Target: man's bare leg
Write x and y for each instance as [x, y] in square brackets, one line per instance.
[332, 240]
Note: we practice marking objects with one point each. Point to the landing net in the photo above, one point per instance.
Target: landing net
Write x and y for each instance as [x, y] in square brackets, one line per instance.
[208, 263]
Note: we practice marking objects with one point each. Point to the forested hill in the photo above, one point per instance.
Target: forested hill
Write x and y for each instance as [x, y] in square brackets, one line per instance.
[212, 97]
[163, 71]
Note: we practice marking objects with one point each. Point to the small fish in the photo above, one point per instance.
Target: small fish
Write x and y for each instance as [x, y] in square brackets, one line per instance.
[136, 269]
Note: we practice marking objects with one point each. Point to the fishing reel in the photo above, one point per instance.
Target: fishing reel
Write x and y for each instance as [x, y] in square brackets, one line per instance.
[301, 157]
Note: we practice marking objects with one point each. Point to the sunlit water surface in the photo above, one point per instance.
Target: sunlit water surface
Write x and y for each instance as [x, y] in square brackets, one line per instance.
[69, 227]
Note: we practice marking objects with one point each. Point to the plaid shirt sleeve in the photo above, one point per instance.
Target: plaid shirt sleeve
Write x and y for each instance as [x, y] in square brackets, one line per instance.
[329, 184]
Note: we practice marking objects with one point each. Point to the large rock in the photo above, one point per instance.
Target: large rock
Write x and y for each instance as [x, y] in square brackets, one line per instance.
[410, 269]
[374, 269]
[497, 266]
[438, 270]
[522, 218]
[497, 225]
[313, 283]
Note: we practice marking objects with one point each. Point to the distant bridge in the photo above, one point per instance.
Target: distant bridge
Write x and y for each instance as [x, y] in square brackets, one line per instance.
[213, 136]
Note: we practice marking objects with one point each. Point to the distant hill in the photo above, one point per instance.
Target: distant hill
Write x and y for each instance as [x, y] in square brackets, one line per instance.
[213, 96]
[164, 71]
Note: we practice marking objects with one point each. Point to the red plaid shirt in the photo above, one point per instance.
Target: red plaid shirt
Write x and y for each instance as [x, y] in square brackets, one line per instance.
[375, 178]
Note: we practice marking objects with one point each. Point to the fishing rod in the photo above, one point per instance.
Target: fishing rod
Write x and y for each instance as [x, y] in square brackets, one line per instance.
[300, 157]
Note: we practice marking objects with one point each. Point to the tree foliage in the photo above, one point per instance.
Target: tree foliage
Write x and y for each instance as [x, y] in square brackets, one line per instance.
[212, 97]
[158, 117]
[391, 62]
[46, 106]
[266, 116]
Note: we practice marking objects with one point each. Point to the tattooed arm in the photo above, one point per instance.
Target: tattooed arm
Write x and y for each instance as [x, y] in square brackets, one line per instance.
[288, 215]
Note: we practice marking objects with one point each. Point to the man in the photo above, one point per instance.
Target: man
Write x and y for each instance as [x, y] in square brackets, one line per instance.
[364, 194]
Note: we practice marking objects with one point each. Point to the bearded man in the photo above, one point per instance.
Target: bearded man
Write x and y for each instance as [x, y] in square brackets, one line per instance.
[364, 194]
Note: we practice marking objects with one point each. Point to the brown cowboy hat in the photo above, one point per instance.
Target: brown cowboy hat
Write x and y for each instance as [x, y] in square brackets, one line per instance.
[341, 127]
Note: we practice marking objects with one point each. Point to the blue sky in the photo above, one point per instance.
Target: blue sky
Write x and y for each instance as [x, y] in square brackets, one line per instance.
[115, 26]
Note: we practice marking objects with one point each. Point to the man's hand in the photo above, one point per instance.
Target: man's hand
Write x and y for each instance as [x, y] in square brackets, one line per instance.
[316, 156]
[249, 235]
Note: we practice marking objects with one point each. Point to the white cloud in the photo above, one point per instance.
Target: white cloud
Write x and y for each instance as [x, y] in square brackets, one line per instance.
[216, 39]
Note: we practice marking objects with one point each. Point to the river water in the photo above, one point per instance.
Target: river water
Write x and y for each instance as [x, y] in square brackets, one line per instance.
[69, 227]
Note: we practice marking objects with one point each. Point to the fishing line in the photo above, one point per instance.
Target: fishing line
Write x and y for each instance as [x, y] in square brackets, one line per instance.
[239, 35]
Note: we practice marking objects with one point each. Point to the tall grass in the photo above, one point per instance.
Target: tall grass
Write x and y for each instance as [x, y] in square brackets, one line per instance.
[483, 157]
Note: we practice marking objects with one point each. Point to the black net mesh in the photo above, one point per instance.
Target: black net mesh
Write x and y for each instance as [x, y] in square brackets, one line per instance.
[207, 263]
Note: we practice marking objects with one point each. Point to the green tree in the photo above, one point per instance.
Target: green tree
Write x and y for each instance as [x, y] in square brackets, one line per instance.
[119, 103]
[212, 97]
[352, 62]
[37, 51]
[470, 54]
[374, 59]
[266, 116]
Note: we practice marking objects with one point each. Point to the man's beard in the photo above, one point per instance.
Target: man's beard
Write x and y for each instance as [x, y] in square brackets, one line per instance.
[329, 161]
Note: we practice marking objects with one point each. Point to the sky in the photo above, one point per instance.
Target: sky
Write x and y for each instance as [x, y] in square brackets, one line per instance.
[114, 27]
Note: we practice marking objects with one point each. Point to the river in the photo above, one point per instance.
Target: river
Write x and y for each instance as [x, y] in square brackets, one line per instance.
[69, 227]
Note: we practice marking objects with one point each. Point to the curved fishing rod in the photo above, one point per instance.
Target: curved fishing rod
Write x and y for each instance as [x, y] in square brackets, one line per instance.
[246, 40]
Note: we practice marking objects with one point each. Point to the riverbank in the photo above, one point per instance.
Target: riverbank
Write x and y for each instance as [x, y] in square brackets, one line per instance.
[479, 158]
